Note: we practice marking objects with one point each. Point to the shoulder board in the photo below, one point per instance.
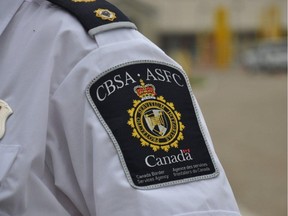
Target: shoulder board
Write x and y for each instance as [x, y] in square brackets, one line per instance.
[96, 15]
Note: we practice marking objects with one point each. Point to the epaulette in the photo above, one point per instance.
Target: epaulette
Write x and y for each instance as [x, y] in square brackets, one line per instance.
[96, 15]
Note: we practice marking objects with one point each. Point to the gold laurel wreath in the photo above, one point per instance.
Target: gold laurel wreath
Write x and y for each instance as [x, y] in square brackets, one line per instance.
[155, 147]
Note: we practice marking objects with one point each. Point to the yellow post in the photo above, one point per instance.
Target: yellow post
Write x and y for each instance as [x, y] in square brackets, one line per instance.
[223, 39]
[271, 25]
[184, 58]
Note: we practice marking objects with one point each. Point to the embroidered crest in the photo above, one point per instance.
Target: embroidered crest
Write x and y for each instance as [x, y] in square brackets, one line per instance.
[154, 120]
[105, 14]
[5, 112]
[149, 112]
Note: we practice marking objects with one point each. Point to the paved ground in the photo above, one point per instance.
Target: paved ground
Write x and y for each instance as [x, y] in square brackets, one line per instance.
[247, 115]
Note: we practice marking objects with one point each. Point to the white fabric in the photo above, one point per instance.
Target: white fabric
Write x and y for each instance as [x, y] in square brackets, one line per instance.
[56, 158]
[7, 10]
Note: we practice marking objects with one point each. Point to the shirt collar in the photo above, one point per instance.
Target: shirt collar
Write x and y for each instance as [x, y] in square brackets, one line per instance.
[8, 8]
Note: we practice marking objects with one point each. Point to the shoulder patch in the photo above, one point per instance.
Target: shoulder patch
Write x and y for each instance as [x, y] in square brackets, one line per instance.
[96, 15]
[149, 112]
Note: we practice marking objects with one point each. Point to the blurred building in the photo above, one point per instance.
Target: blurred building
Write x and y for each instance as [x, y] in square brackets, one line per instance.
[208, 33]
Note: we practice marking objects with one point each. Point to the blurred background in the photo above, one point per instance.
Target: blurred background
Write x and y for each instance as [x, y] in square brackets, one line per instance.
[235, 53]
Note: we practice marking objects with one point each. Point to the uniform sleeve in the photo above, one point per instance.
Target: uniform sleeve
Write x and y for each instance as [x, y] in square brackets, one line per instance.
[127, 137]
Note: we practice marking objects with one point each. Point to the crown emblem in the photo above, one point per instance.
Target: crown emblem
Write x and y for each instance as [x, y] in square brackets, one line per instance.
[145, 91]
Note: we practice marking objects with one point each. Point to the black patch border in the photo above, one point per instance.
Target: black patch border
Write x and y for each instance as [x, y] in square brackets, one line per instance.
[117, 146]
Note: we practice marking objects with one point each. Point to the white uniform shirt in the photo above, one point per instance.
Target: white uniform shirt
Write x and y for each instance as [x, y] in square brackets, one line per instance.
[56, 157]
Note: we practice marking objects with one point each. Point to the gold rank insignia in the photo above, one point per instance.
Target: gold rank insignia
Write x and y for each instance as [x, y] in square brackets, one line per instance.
[155, 121]
[5, 112]
[105, 14]
[85, 1]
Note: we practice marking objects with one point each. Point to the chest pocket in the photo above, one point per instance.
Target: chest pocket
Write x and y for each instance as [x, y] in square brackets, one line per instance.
[8, 154]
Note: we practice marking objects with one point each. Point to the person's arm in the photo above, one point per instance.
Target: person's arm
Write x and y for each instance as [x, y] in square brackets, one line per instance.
[134, 139]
